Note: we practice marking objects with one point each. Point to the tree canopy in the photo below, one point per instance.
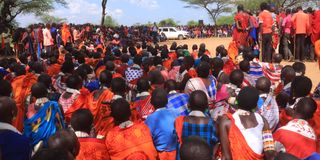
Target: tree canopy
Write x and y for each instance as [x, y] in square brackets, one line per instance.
[168, 22]
[192, 23]
[110, 22]
[46, 18]
[214, 7]
[225, 20]
[10, 9]
[255, 4]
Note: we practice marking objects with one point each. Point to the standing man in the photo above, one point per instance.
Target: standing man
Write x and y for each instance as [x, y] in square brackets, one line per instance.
[47, 39]
[301, 24]
[155, 32]
[240, 34]
[266, 22]
[309, 51]
[286, 29]
[38, 37]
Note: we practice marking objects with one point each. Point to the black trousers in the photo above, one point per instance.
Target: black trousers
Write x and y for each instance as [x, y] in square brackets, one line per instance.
[266, 47]
[309, 51]
[300, 47]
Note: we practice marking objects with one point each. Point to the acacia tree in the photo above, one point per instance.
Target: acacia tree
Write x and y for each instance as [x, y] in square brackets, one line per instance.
[110, 22]
[293, 3]
[192, 23]
[225, 20]
[103, 14]
[169, 22]
[10, 9]
[214, 7]
[255, 4]
[46, 18]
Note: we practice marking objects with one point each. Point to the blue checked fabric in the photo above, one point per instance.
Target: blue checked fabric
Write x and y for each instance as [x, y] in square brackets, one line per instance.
[178, 102]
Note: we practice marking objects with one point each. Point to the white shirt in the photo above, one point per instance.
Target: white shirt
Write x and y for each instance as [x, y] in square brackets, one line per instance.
[253, 136]
[197, 114]
[47, 38]
[7, 126]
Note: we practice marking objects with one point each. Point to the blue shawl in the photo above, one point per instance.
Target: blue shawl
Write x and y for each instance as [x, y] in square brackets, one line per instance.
[44, 123]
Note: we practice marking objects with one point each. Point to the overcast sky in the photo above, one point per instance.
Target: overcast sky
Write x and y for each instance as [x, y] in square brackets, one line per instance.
[126, 12]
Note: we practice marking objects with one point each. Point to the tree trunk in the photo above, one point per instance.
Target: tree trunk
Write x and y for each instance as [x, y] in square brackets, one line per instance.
[5, 16]
[103, 14]
[215, 23]
[214, 20]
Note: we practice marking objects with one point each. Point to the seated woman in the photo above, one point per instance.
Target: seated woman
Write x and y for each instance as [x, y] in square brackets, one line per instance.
[59, 81]
[88, 76]
[44, 117]
[245, 134]
[205, 82]
[128, 140]
[74, 98]
[297, 137]
[141, 106]
[90, 146]
[54, 67]
[47, 81]
[99, 104]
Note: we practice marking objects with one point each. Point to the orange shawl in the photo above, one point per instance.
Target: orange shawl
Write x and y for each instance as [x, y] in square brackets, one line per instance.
[233, 51]
[178, 125]
[207, 52]
[173, 55]
[278, 89]
[53, 69]
[192, 73]
[317, 50]
[167, 155]
[92, 62]
[139, 51]
[194, 54]
[116, 75]
[239, 148]
[99, 70]
[99, 46]
[131, 143]
[65, 33]
[167, 64]
[117, 61]
[77, 104]
[92, 149]
[61, 59]
[284, 118]
[101, 111]
[21, 87]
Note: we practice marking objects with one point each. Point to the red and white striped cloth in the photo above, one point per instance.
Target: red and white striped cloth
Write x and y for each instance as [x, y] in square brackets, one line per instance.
[272, 71]
[248, 80]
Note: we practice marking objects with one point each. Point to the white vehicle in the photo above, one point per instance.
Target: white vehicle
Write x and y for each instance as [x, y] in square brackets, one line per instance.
[173, 33]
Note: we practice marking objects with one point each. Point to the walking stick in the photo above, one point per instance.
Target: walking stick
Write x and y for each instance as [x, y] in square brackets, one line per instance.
[294, 46]
[260, 45]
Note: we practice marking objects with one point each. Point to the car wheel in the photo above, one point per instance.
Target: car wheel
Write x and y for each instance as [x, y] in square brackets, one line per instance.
[180, 37]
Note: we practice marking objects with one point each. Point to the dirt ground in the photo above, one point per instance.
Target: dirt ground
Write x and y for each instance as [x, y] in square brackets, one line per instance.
[312, 71]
